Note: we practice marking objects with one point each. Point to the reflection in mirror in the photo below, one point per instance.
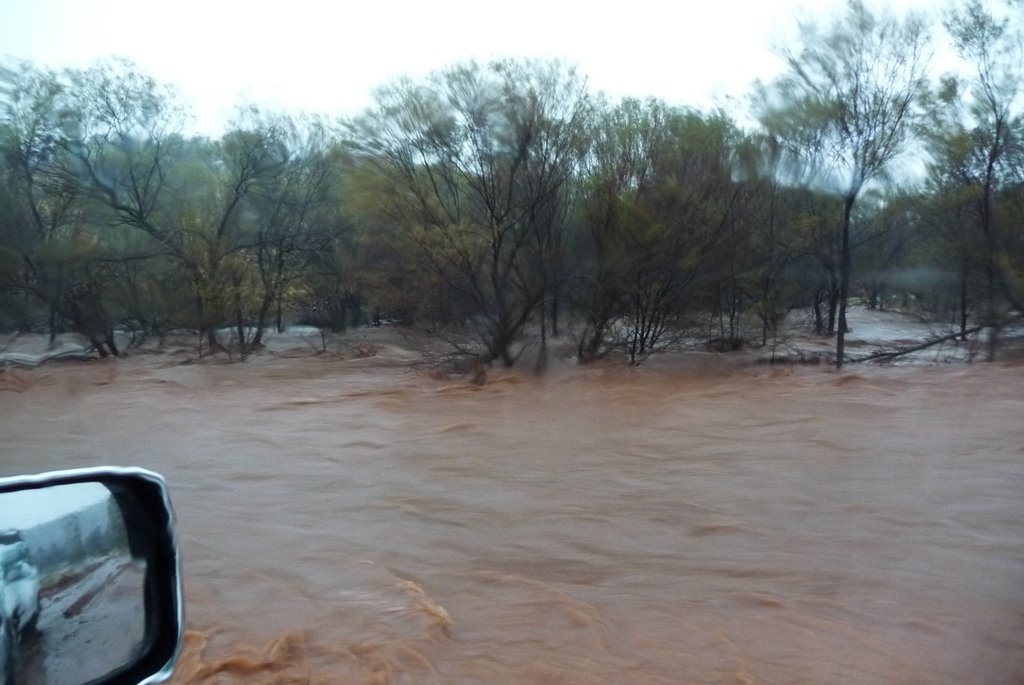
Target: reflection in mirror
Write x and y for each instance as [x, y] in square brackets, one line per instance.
[73, 606]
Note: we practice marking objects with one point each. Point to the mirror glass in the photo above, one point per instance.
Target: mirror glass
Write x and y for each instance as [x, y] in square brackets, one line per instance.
[71, 594]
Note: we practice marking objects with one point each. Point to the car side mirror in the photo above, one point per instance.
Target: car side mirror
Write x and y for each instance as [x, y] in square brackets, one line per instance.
[90, 585]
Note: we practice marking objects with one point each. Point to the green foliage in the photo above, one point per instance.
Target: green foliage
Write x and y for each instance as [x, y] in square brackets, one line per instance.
[844, 111]
[975, 135]
[474, 164]
[502, 199]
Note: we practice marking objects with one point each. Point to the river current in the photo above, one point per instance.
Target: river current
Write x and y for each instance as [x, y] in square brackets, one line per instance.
[694, 521]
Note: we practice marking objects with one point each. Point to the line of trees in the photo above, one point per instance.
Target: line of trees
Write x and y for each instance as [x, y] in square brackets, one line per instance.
[507, 202]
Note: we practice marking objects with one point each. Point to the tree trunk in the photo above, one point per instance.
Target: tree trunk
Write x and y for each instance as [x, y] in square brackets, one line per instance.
[111, 344]
[542, 355]
[555, 300]
[833, 307]
[844, 279]
[992, 317]
[53, 325]
[240, 328]
[819, 317]
[98, 346]
[963, 300]
[212, 343]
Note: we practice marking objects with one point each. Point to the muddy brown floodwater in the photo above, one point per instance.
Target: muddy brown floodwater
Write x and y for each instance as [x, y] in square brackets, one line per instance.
[687, 522]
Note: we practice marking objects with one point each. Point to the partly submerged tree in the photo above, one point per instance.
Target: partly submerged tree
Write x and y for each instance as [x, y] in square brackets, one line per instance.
[844, 109]
[470, 167]
[232, 216]
[41, 210]
[660, 211]
[976, 137]
[625, 140]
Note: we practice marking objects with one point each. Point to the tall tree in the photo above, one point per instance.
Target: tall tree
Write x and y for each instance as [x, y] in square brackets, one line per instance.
[284, 211]
[976, 137]
[227, 213]
[626, 139]
[44, 209]
[661, 210]
[475, 161]
[846, 106]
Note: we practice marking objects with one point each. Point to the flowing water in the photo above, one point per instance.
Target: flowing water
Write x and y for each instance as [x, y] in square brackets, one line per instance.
[694, 522]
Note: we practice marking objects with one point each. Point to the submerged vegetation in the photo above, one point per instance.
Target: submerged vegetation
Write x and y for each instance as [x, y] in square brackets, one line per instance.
[508, 203]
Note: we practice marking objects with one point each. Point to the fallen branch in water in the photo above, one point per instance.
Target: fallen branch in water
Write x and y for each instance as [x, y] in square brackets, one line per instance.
[889, 355]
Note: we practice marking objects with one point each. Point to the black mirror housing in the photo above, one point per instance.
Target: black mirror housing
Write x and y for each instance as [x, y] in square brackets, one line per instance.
[145, 553]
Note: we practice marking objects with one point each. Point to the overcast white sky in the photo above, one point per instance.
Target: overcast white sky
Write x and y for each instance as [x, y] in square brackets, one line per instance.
[326, 57]
[27, 508]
